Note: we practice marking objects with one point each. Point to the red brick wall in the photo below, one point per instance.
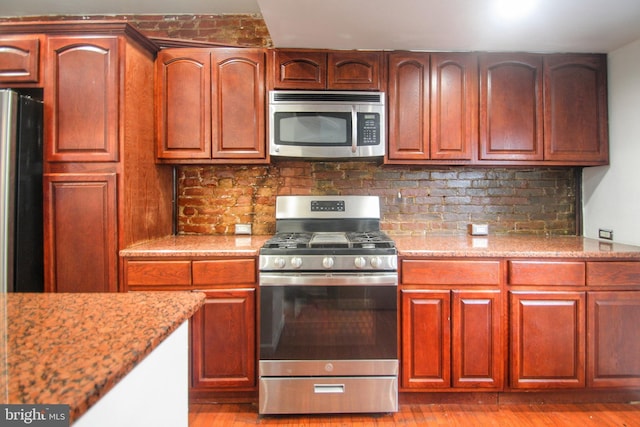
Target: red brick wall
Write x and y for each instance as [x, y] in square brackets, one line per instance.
[443, 200]
[214, 198]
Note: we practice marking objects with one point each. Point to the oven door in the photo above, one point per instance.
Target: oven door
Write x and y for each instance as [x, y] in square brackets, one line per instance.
[328, 324]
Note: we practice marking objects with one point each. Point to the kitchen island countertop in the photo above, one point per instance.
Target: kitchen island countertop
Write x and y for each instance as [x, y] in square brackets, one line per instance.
[72, 348]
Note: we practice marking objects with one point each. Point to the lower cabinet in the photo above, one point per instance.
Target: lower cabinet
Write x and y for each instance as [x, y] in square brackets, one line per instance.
[547, 339]
[223, 337]
[613, 339]
[451, 339]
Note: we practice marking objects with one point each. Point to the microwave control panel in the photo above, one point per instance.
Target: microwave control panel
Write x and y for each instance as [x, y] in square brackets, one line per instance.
[368, 129]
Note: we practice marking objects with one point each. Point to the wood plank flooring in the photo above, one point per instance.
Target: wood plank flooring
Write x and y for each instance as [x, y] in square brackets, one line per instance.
[557, 415]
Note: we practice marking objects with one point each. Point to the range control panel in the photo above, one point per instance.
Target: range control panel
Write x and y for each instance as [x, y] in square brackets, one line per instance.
[327, 206]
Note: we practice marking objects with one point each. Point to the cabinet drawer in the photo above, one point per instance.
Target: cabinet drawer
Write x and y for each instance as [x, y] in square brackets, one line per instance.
[158, 273]
[546, 273]
[448, 272]
[224, 272]
[613, 273]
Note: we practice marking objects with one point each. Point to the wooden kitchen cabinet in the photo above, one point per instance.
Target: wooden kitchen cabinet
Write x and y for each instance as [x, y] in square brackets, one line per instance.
[575, 104]
[547, 339]
[224, 341]
[433, 106]
[210, 105]
[20, 59]
[183, 104]
[451, 337]
[80, 229]
[511, 107]
[81, 124]
[331, 70]
[613, 339]
[103, 190]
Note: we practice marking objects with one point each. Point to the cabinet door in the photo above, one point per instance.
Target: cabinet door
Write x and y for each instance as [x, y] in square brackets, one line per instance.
[575, 104]
[183, 104]
[238, 104]
[80, 232]
[454, 105]
[613, 339]
[224, 341]
[426, 339]
[19, 59]
[477, 339]
[81, 122]
[511, 107]
[299, 69]
[409, 105]
[354, 70]
[547, 340]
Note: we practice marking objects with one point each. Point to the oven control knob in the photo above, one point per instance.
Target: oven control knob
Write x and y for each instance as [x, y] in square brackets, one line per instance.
[279, 262]
[376, 262]
[296, 262]
[360, 262]
[327, 262]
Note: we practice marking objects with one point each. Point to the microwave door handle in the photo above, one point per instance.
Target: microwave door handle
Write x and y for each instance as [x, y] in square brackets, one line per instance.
[354, 129]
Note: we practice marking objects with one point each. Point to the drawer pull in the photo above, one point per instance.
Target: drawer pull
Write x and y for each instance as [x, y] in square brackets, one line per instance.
[328, 388]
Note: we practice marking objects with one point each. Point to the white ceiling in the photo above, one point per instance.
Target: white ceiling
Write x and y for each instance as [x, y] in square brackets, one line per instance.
[458, 25]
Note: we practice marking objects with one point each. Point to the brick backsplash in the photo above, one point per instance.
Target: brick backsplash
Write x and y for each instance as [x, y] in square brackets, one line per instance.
[415, 200]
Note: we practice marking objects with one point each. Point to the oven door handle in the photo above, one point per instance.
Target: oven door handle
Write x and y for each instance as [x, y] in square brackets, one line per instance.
[328, 279]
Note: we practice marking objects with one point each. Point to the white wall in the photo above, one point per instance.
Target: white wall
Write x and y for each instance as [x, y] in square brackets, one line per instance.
[611, 194]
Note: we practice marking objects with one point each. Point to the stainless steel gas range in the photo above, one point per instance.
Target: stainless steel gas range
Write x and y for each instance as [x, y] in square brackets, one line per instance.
[328, 309]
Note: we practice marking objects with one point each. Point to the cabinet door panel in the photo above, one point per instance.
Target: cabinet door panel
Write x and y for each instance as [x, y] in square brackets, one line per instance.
[80, 232]
[454, 89]
[575, 101]
[183, 103]
[547, 340]
[614, 339]
[224, 340]
[511, 108]
[409, 105]
[426, 339]
[354, 70]
[238, 103]
[299, 69]
[477, 343]
[81, 123]
[19, 59]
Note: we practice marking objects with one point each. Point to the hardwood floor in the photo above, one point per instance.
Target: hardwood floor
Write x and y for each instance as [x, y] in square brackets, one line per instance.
[557, 415]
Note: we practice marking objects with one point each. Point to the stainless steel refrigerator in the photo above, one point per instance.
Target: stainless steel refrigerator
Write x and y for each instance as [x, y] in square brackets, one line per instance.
[21, 223]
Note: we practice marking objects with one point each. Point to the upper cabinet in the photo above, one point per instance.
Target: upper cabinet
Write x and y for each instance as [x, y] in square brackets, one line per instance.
[543, 109]
[575, 103]
[82, 124]
[511, 115]
[432, 104]
[332, 70]
[20, 59]
[210, 105]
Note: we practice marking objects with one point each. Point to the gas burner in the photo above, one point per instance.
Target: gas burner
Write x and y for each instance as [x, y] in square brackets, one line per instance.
[370, 240]
[289, 241]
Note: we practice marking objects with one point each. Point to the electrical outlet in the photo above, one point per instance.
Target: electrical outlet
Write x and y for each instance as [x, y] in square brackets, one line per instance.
[603, 233]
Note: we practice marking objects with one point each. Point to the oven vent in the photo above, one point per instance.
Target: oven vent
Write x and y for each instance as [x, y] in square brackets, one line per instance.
[306, 96]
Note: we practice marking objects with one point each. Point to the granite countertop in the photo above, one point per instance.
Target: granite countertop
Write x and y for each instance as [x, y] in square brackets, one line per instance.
[513, 246]
[461, 245]
[201, 245]
[72, 348]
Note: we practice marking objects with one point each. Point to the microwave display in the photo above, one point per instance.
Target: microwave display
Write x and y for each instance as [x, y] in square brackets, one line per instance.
[313, 128]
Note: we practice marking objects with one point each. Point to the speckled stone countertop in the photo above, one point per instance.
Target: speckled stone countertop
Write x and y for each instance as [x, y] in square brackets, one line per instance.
[73, 348]
[513, 246]
[427, 245]
[191, 245]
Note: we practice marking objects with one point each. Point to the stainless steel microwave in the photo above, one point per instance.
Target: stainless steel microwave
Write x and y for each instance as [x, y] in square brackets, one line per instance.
[327, 124]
